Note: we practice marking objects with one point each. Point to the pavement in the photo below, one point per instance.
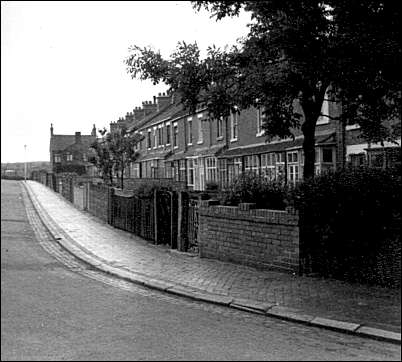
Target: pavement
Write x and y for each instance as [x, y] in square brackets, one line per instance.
[366, 311]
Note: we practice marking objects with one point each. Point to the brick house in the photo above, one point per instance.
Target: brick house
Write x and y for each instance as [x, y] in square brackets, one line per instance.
[201, 152]
[70, 153]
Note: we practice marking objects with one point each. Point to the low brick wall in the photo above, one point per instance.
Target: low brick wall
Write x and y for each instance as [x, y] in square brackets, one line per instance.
[265, 239]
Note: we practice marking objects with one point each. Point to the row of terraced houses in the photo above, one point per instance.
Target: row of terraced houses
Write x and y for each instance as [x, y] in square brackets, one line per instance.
[205, 152]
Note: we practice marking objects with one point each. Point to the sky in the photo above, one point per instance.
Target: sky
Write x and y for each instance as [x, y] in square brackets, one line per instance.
[63, 63]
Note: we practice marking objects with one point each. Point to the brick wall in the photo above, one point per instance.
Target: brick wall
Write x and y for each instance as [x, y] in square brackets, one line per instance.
[265, 239]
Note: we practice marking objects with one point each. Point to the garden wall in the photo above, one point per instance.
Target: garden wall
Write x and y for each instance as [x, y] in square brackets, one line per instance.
[261, 238]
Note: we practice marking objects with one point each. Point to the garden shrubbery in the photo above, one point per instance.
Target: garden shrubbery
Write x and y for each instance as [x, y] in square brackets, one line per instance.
[249, 187]
[350, 225]
[349, 220]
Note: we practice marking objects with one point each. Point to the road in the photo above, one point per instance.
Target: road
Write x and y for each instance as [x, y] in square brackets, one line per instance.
[54, 307]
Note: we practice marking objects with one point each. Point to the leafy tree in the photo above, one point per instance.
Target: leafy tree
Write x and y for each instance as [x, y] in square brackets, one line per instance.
[114, 153]
[294, 54]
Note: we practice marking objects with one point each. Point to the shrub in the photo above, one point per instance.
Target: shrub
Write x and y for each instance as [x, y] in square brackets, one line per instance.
[249, 187]
[146, 189]
[349, 222]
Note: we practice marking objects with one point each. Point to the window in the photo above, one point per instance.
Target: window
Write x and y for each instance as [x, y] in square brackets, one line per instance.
[57, 158]
[358, 160]
[234, 119]
[190, 172]
[219, 128]
[84, 157]
[149, 142]
[168, 134]
[280, 158]
[223, 173]
[211, 169]
[182, 170]
[293, 173]
[292, 157]
[327, 156]
[252, 164]
[190, 131]
[155, 138]
[175, 135]
[135, 170]
[293, 166]
[268, 166]
[260, 119]
[160, 136]
[280, 167]
[69, 157]
[200, 130]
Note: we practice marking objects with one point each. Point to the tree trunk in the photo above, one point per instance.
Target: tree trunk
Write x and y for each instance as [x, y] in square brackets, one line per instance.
[311, 104]
[308, 129]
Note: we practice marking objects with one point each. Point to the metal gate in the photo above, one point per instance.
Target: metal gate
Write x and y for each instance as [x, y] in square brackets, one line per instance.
[189, 223]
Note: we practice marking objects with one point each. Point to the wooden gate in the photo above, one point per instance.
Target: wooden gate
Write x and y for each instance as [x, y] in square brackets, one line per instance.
[166, 217]
[134, 214]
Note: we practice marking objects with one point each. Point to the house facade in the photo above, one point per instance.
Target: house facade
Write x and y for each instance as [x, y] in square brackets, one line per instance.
[207, 153]
[70, 153]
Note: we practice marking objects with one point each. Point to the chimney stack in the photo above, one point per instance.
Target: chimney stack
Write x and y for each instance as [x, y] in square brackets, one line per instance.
[163, 100]
[149, 107]
[51, 129]
[93, 133]
[77, 137]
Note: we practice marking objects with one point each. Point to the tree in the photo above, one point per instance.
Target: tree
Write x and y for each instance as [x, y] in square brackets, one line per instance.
[295, 53]
[114, 153]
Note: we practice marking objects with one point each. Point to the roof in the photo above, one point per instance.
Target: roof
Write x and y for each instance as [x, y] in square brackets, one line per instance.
[169, 112]
[276, 146]
[61, 142]
[210, 151]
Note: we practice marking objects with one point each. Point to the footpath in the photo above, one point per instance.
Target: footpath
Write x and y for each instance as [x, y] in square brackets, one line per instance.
[368, 311]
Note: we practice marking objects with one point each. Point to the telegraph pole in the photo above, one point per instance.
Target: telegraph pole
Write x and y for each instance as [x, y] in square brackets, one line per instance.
[25, 165]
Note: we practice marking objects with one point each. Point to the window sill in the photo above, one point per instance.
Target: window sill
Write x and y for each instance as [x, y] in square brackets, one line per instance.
[200, 142]
[233, 140]
[259, 134]
[189, 144]
[220, 138]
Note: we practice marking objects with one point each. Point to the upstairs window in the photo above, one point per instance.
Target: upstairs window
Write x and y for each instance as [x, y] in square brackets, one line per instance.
[234, 119]
[160, 136]
[149, 142]
[168, 134]
[69, 157]
[155, 138]
[57, 158]
[200, 130]
[260, 120]
[175, 135]
[219, 127]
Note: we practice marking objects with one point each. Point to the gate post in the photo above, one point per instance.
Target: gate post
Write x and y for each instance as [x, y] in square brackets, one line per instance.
[155, 216]
[180, 245]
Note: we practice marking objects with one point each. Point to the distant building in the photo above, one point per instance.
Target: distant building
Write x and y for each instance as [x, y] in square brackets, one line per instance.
[70, 153]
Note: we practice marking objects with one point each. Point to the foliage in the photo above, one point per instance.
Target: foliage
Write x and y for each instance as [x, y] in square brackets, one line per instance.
[249, 187]
[114, 153]
[147, 189]
[294, 53]
[211, 186]
[350, 224]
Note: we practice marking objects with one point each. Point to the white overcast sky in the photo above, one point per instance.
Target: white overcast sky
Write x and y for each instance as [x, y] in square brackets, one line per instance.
[62, 63]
